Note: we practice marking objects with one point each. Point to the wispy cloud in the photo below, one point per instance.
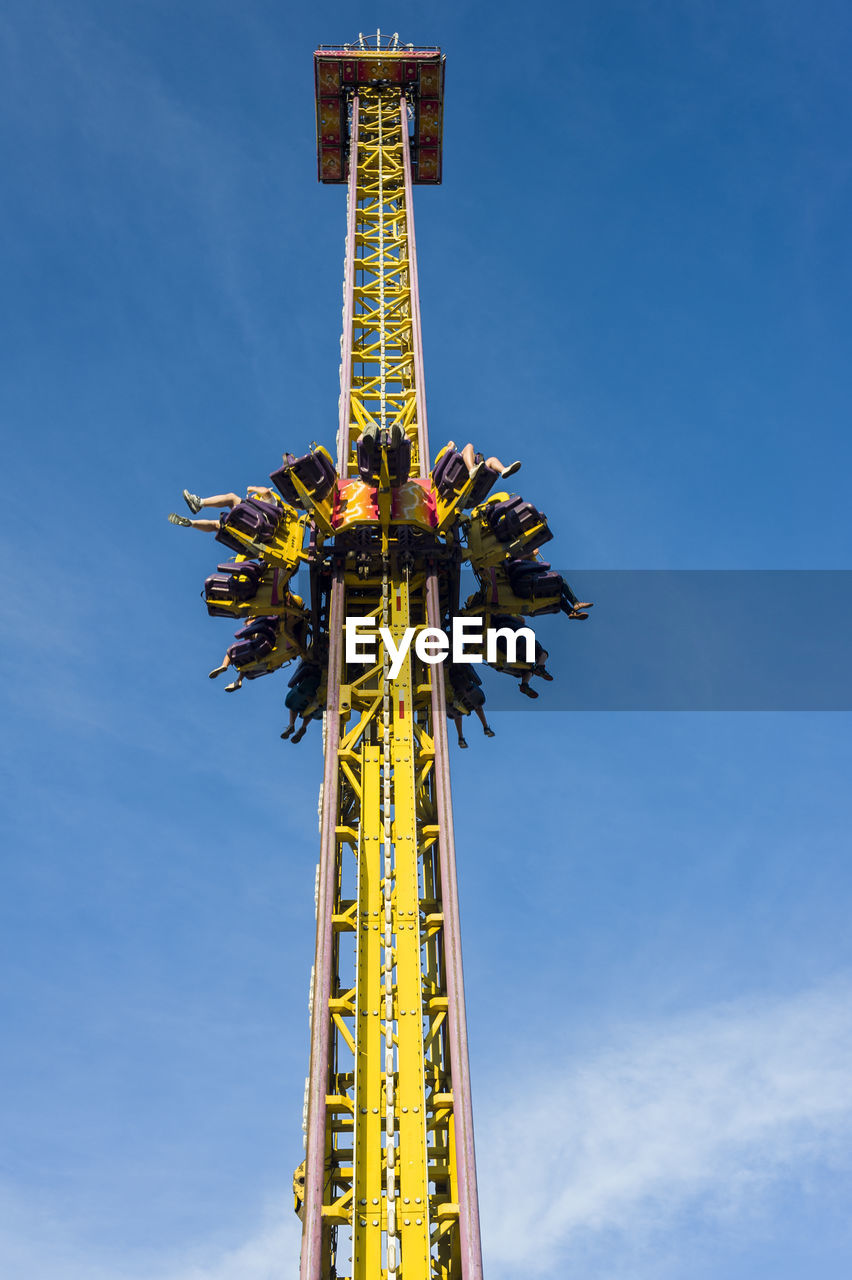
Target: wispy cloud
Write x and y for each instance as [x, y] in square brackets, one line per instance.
[587, 1168]
[35, 1246]
[273, 1254]
[702, 1115]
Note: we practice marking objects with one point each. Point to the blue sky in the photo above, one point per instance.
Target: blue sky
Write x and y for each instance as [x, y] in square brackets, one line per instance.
[636, 275]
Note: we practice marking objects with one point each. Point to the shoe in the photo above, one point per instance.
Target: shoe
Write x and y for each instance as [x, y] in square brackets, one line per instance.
[489, 732]
[297, 737]
[286, 733]
[510, 470]
[192, 501]
[462, 743]
[232, 688]
[527, 691]
[217, 671]
[174, 518]
[577, 610]
[576, 616]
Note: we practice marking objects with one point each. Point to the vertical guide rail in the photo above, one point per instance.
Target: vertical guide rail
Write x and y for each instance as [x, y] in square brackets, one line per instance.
[382, 391]
[414, 291]
[343, 450]
[469, 1232]
[314, 1245]
[407, 1186]
[465, 1155]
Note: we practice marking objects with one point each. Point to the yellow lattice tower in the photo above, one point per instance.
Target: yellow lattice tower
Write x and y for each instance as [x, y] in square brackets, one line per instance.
[389, 1163]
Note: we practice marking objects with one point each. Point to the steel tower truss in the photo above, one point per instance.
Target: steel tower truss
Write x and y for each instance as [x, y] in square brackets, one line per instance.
[389, 1133]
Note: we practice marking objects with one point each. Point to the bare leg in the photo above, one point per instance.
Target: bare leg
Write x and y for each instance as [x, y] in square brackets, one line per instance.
[496, 465]
[221, 500]
[457, 721]
[291, 726]
[469, 455]
[217, 671]
[205, 526]
[486, 727]
[297, 737]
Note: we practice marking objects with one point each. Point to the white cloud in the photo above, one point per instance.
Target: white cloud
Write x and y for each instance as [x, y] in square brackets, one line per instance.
[273, 1254]
[35, 1246]
[586, 1167]
[701, 1115]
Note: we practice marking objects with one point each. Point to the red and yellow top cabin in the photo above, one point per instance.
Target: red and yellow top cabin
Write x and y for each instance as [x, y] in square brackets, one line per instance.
[339, 72]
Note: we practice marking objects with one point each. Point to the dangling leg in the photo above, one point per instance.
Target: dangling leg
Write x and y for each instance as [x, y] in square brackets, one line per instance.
[540, 668]
[525, 686]
[217, 671]
[469, 455]
[486, 727]
[297, 737]
[203, 526]
[571, 605]
[455, 716]
[195, 503]
[496, 465]
[291, 726]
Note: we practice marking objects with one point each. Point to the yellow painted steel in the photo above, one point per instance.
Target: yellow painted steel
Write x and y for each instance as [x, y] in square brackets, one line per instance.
[413, 1212]
[383, 389]
[388, 1007]
[286, 548]
[369, 1093]
[390, 1201]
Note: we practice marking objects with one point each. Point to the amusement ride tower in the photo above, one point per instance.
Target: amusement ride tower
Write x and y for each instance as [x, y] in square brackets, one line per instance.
[389, 1124]
[388, 1182]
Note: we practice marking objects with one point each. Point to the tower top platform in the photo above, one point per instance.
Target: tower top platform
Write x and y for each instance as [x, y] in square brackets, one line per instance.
[418, 73]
